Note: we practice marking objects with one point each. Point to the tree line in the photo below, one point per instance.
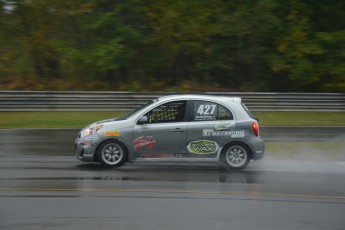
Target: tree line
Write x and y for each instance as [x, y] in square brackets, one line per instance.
[179, 45]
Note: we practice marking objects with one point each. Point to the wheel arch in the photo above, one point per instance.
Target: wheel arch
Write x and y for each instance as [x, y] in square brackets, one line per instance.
[112, 139]
[225, 147]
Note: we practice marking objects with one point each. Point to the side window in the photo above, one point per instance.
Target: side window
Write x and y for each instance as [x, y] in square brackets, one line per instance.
[224, 113]
[208, 111]
[168, 112]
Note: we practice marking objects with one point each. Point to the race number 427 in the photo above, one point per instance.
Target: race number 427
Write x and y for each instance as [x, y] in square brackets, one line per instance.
[206, 109]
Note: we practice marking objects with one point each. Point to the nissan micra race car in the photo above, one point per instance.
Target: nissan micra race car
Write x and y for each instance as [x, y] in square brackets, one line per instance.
[178, 128]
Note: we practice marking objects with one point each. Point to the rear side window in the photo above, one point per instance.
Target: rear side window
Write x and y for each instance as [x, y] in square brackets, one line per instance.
[248, 112]
[208, 111]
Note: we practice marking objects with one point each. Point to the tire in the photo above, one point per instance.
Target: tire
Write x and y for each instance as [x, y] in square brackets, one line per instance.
[112, 154]
[236, 156]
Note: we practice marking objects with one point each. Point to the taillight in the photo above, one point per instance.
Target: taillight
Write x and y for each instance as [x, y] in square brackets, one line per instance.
[255, 127]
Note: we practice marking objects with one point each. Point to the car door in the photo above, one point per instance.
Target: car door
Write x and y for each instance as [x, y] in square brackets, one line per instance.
[210, 127]
[163, 135]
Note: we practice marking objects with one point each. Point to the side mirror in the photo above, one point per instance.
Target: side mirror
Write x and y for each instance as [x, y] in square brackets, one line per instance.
[142, 120]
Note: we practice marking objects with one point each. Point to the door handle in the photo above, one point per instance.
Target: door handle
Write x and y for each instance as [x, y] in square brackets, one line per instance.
[178, 130]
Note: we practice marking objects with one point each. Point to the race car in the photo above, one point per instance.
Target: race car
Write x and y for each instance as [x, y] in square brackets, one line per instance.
[176, 128]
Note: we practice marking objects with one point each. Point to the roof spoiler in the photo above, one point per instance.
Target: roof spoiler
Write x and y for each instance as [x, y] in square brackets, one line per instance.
[237, 99]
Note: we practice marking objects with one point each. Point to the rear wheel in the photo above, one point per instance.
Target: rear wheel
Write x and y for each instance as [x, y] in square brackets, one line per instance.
[112, 154]
[236, 156]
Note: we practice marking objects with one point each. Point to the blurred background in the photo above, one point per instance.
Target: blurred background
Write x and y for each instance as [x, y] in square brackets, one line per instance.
[64, 57]
[176, 46]
[66, 64]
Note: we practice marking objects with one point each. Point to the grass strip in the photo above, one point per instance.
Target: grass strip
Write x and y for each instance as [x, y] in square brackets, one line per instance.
[301, 118]
[52, 119]
[81, 119]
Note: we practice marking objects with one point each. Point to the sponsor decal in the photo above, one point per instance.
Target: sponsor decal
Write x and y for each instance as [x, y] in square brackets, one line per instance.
[224, 126]
[156, 155]
[161, 155]
[202, 147]
[113, 133]
[237, 134]
[232, 134]
[91, 138]
[142, 141]
[205, 117]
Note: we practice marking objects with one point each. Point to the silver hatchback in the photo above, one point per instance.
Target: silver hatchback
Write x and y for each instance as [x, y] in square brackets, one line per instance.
[177, 128]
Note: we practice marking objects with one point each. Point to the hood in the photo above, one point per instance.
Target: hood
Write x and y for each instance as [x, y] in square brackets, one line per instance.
[100, 122]
[106, 121]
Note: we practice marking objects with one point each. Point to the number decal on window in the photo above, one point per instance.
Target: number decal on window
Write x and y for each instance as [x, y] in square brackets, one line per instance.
[200, 110]
[209, 111]
[205, 109]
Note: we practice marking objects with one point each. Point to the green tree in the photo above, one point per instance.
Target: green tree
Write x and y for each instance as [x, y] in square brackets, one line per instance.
[308, 57]
[249, 45]
[26, 31]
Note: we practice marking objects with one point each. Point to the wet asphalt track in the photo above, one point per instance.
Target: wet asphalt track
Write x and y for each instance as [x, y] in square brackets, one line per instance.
[42, 186]
[47, 192]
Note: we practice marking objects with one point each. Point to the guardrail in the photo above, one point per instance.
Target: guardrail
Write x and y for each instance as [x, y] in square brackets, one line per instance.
[126, 101]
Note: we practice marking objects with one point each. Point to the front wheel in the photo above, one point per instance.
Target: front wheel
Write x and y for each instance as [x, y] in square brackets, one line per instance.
[236, 156]
[112, 154]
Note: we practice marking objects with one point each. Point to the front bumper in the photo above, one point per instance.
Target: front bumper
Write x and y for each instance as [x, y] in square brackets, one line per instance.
[86, 148]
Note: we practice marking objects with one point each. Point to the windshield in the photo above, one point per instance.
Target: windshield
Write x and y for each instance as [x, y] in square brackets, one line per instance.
[137, 110]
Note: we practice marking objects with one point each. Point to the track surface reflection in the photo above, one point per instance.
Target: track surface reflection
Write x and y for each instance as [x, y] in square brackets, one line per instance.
[62, 193]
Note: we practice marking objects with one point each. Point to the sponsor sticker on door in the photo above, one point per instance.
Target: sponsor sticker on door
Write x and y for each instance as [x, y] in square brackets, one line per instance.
[203, 147]
[149, 142]
[232, 134]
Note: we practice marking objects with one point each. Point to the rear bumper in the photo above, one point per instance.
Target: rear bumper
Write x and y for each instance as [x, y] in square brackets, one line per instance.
[257, 146]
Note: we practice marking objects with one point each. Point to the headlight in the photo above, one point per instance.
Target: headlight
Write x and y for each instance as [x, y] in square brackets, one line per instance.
[91, 130]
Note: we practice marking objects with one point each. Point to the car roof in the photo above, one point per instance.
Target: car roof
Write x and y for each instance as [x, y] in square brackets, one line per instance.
[200, 97]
